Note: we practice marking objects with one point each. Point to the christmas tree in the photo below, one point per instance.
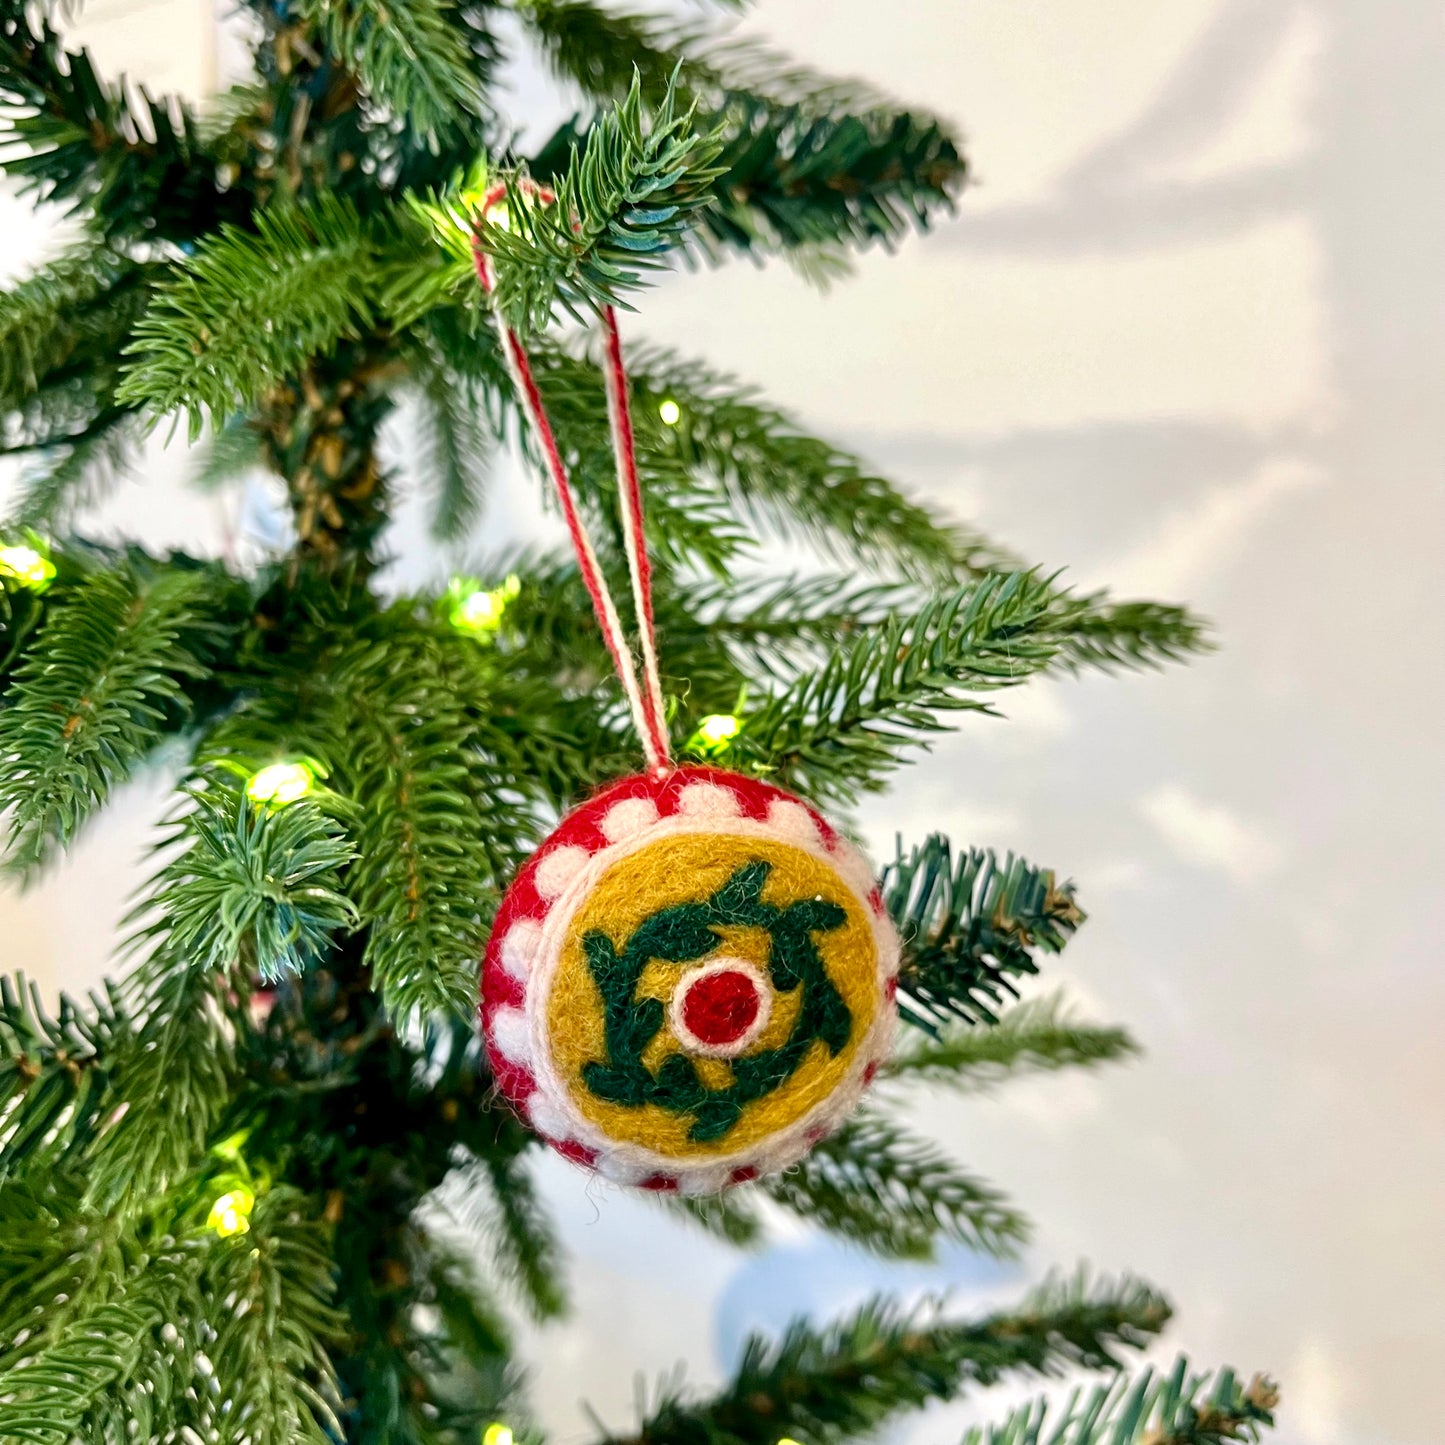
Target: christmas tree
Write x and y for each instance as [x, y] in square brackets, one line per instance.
[220, 1175]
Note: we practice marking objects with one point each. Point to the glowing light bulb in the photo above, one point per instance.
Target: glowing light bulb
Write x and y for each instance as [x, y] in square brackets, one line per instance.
[670, 412]
[281, 783]
[231, 1214]
[27, 566]
[477, 609]
[481, 612]
[499, 216]
[231, 1148]
[714, 734]
[497, 1434]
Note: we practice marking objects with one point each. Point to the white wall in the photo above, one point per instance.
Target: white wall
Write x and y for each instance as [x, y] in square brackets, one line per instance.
[1184, 337]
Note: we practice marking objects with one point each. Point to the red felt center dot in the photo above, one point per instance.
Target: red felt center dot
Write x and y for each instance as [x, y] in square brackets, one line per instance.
[721, 1007]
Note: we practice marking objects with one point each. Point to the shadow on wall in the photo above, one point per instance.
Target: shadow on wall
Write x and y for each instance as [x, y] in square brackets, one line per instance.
[1367, 186]
[1319, 542]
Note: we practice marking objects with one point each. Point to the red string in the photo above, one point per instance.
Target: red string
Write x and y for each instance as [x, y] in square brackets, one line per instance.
[646, 701]
[629, 488]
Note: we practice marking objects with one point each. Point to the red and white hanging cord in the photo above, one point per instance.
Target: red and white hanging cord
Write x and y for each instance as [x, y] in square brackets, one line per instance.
[644, 697]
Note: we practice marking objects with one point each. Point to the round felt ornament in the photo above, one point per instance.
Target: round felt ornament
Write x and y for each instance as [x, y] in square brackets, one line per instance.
[691, 981]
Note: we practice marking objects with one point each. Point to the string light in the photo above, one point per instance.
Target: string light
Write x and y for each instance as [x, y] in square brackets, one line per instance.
[230, 1148]
[27, 566]
[714, 734]
[670, 412]
[497, 1434]
[231, 1213]
[477, 610]
[281, 783]
[499, 216]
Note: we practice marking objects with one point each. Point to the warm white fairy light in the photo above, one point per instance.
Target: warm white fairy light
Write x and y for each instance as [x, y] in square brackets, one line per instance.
[231, 1213]
[281, 783]
[670, 412]
[27, 566]
[477, 609]
[714, 734]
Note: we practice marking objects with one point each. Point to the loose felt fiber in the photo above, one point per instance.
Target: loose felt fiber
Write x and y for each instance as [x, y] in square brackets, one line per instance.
[691, 981]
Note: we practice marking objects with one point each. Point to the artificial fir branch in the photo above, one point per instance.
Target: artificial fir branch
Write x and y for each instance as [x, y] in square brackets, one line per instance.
[625, 196]
[54, 1074]
[60, 331]
[688, 522]
[898, 1195]
[603, 50]
[461, 1293]
[270, 1293]
[719, 639]
[411, 57]
[495, 1199]
[770, 472]
[252, 882]
[971, 925]
[778, 626]
[827, 1385]
[75, 475]
[1152, 1408]
[227, 452]
[21, 612]
[44, 318]
[469, 1383]
[456, 449]
[1034, 1037]
[250, 308]
[170, 1083]
[105, 685]
[539, 736]
[57, 1259]
[51, 1397]
[809, 161]
[793, 178]
[79, 141]
[422, 879]
[841, 729]
[1105, 634]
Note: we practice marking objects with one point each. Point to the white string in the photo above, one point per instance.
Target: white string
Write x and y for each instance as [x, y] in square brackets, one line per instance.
[624, 454]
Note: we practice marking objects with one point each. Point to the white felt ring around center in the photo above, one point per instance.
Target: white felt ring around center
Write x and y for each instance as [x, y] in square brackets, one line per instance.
[677, 1009]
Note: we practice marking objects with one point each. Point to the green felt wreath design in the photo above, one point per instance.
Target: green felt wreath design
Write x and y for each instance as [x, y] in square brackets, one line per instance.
[687, 931]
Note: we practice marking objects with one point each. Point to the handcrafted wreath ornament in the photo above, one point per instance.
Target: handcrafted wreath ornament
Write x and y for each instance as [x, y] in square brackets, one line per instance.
[692, 980]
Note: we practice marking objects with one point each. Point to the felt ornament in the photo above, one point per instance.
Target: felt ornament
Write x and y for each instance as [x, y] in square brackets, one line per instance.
[692, 980]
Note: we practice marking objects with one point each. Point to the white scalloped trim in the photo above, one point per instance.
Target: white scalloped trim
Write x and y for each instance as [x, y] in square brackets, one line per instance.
[548, 1119]
[793, 821]
[557, 870]
[512, 1038]
[710, 801]
[625, 819]
[519, 946]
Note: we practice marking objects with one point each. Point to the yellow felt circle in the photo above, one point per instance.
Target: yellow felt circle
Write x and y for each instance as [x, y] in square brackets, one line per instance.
[690, 868]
